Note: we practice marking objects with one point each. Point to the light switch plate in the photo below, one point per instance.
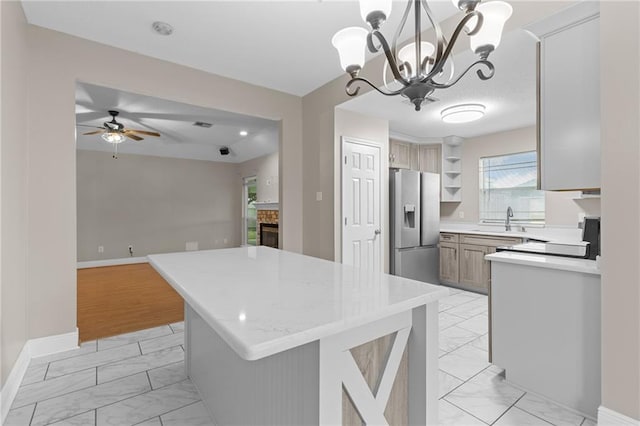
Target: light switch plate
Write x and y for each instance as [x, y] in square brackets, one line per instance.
[318, 196]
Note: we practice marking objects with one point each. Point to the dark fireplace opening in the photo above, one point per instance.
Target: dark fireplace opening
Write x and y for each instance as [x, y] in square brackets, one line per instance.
[269, 234]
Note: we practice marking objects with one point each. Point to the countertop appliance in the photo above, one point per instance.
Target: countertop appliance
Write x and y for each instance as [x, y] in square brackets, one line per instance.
[414, 207]
[588, 248]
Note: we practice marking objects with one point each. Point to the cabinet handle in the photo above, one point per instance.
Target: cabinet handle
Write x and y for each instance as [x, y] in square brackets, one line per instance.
[455, 254]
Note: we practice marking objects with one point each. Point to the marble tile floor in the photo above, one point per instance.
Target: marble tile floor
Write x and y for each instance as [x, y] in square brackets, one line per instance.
[139, 379]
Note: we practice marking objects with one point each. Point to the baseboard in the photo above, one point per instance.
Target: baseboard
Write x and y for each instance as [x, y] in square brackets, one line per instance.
[32, 348]
[607, 417]
[10, 388]
[53, 344]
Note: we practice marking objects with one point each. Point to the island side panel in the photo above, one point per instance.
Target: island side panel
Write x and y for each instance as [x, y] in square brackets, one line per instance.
[423, 366]
[281, 389]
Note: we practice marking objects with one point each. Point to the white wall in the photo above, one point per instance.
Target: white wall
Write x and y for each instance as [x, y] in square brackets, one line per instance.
[265, 169]
[13, 185]
[155, 204]
[560, 208]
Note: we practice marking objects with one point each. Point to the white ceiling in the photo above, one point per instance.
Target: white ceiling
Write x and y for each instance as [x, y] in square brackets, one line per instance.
[283, 45]
[509, 97]
[174, 121]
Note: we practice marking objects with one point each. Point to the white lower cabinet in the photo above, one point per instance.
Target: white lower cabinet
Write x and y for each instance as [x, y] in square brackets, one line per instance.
[546, 331]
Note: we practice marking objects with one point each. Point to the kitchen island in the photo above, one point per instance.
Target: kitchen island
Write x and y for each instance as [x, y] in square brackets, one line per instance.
[271, 338]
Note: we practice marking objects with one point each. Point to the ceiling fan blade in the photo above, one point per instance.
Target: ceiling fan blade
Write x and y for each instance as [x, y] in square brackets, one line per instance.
[94, 132]
[143, 132]
[86, 125]
[132, 136]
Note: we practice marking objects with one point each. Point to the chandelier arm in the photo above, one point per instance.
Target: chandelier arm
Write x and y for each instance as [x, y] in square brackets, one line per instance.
[394, 43]
[481, 74]
[392, 61]
[441, 42]
[364, 80]
[439, 65]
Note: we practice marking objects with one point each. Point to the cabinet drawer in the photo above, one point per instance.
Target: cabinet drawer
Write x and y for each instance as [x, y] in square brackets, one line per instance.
[449, 238]
[487, 240]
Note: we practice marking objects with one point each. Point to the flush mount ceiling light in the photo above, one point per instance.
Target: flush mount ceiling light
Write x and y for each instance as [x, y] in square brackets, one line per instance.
[162, 28]
[462, 113]
[243, 133]
[419, 68]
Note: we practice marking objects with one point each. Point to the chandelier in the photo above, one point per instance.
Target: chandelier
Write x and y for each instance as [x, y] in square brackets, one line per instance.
[419, 68]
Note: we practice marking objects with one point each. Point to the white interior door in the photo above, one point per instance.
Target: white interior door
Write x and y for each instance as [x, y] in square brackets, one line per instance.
[361, 177]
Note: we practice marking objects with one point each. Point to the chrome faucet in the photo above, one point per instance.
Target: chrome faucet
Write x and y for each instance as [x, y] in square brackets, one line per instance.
[507, 223]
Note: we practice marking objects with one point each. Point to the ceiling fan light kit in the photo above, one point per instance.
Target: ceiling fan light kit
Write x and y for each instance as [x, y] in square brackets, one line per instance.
[419, 68]
[115, 133]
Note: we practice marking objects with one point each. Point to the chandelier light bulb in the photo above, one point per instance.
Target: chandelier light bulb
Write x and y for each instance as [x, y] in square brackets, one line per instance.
[408, 54]
[494, 14]
[350, 43]
[463, 113]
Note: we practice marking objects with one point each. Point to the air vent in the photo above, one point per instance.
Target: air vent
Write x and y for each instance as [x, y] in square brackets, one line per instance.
[202, 124]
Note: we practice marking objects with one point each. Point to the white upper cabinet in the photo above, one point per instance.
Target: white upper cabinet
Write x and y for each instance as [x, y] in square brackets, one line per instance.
[569, 99]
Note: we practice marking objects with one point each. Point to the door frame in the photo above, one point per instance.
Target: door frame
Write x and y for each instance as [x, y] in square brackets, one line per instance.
[383, 218]
[245, 193]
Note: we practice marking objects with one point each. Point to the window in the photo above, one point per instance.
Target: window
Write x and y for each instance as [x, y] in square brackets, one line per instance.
[510, 181]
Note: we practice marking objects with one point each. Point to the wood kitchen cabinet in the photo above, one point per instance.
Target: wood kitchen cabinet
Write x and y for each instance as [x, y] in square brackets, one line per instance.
[449, 266]
[569, 99]
[473, 267]
[462, 259]
[399, 154]
[430, 158]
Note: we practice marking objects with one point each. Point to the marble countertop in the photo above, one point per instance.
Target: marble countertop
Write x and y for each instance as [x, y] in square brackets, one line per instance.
[548, 234]
[263, 301]
[585, 266]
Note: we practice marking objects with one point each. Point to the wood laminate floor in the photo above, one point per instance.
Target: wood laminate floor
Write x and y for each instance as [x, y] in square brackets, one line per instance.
[120, 299]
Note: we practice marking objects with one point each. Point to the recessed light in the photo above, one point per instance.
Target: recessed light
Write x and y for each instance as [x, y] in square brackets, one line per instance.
[162, 28]
[463, 113]
[243, 133]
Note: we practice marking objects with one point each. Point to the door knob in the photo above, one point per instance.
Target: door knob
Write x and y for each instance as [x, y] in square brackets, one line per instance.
[377, 232]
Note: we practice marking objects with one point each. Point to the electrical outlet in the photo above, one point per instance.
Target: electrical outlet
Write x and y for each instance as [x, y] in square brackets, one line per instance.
[318, 196]
[191, 246]
[100, 249]
[225, 240]
[461, 215]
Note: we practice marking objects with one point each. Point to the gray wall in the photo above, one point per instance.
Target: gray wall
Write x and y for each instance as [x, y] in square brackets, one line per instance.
[265, 169]
[13, 184]
[620, 127]
[155, 204]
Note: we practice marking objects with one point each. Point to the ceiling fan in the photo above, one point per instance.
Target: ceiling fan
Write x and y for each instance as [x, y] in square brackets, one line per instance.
[115, 133]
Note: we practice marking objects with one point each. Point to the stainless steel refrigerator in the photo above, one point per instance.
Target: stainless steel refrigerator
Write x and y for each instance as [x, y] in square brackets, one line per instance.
[415, 224]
